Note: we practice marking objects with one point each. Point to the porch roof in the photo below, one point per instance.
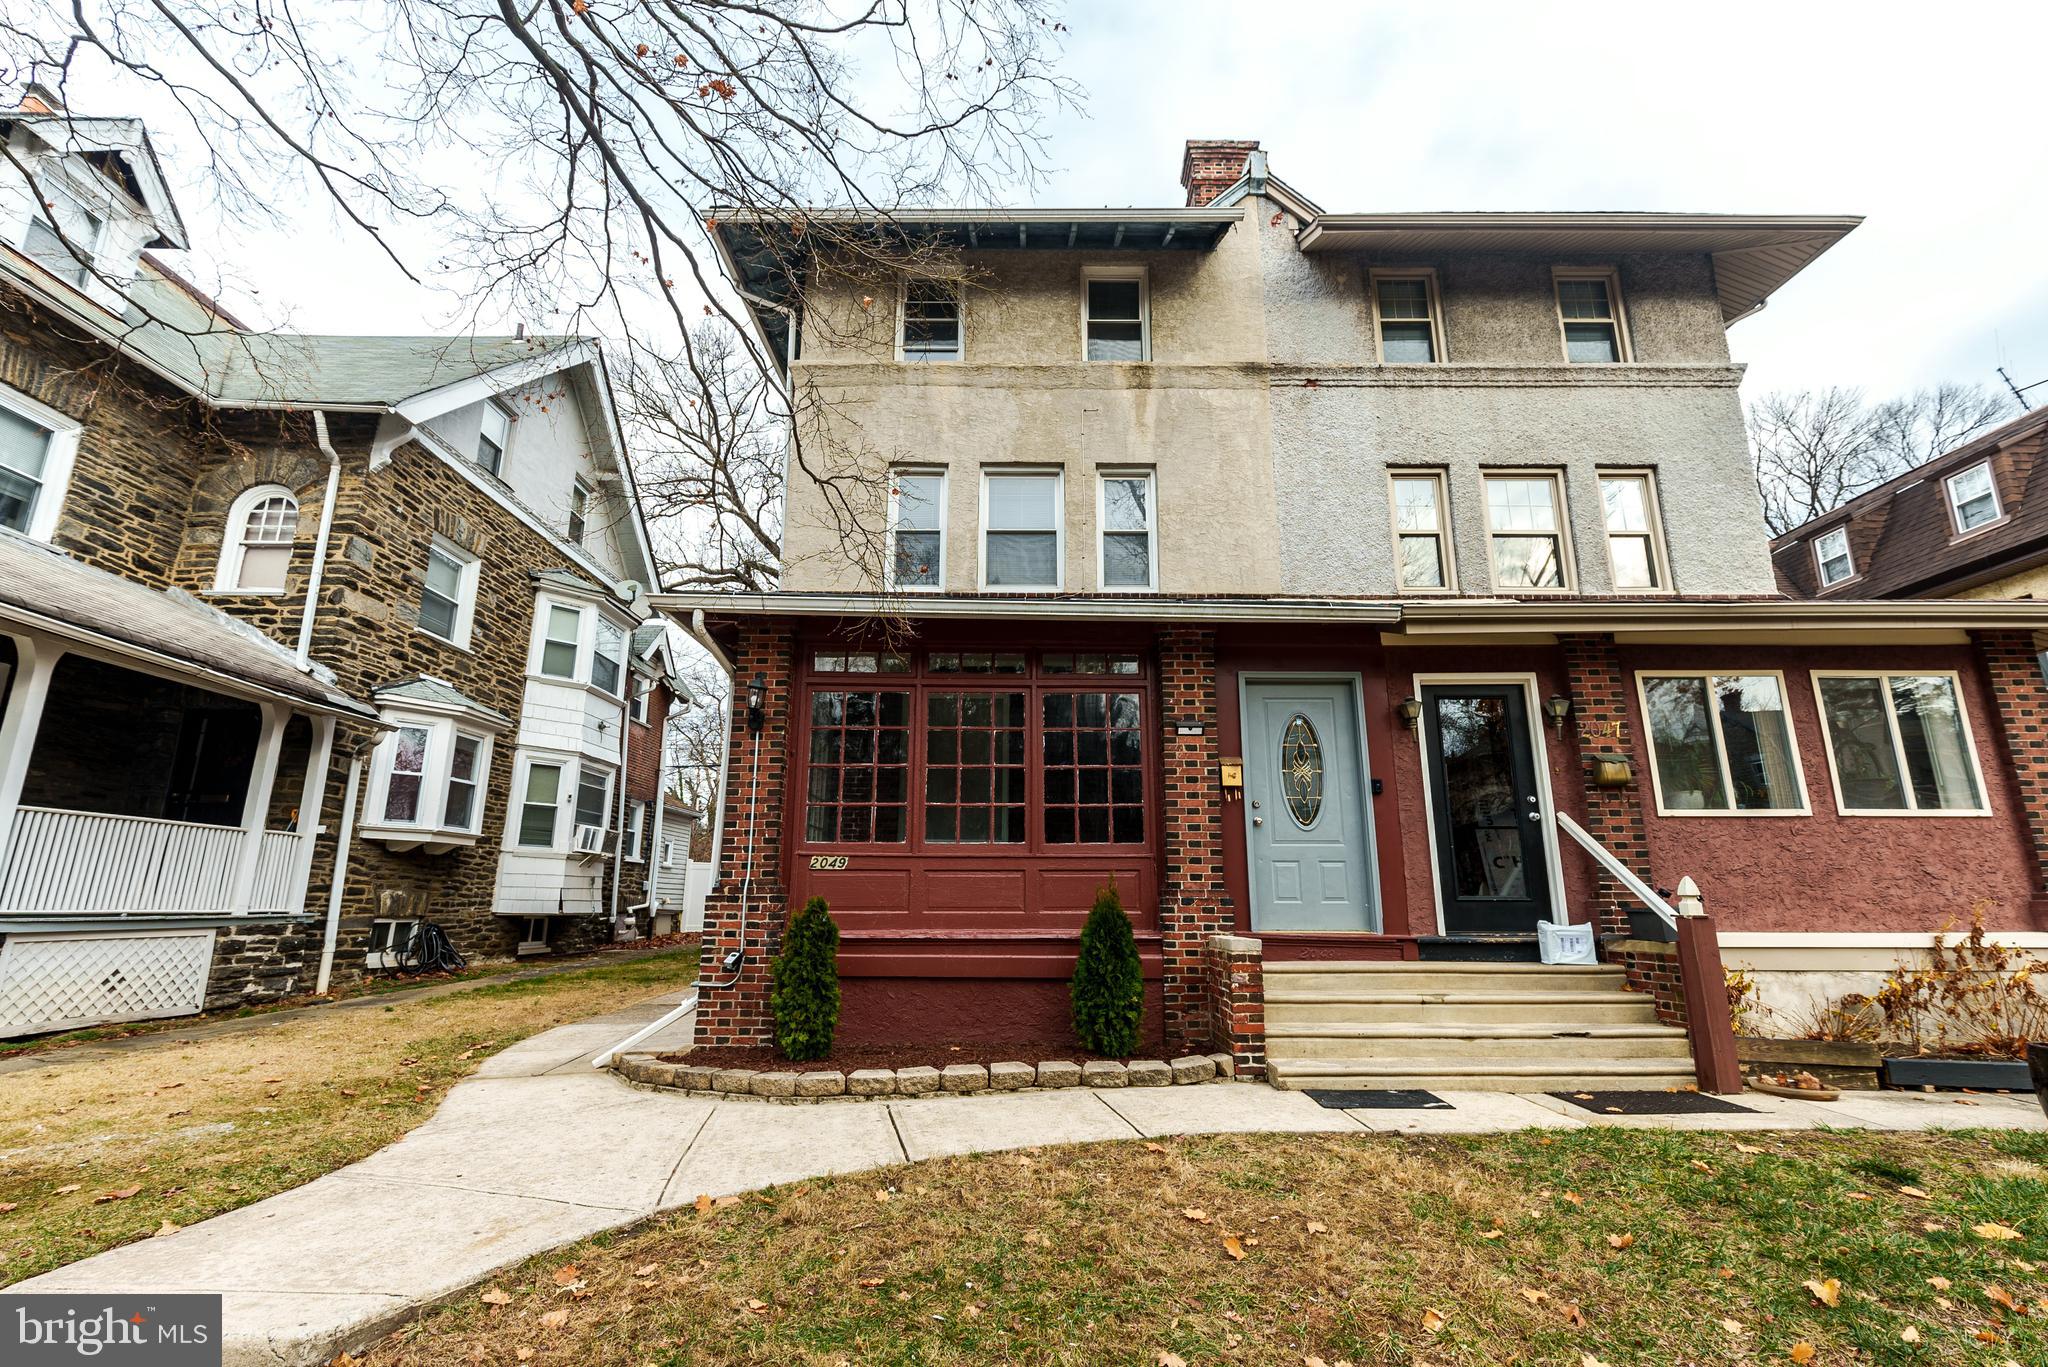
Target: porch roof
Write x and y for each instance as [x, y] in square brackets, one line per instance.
[1067, 607]
[43, 589]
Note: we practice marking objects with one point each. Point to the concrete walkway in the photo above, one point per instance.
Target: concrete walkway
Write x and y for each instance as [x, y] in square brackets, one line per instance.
[539, 1150]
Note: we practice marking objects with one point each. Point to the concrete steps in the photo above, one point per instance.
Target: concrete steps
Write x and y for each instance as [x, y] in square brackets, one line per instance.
[1465, 1026]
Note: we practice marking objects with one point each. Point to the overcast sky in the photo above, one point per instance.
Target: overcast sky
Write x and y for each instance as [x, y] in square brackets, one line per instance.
[1929, 123]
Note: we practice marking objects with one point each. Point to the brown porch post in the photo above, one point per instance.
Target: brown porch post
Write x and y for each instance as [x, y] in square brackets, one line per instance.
[1708, 1023]
[1600, 725]
[1194, 904]
[2012, 665]
[747, 907]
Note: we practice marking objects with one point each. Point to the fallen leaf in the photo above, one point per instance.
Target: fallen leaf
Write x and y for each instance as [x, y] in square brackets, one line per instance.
[1939, 1283]
[1155, 1148]
[1433, 1320]
[526, 1354]
[1992, 1230]
[1491, 1234]
[1828, 1293]
[1909, 1335]
[165, 1228]
[1861, 1196]
[1318, 1227]
[554, 1319]
[1574, 1316]
[1311, 1360]
[1166, 1359]
[1621, 1240]
[1801, 1352]
[1197, 1214]
[882, 1196]
[1532, 1295]
[2003, 1297]
[6, 1206]
[1741, 1147]
[66, 1191]
[1986, 1336]
[761, 1307]
[1588, 1360]
[494, 1296]
[1234, 1247]
[123, 1194]
[566, 1275]
[703, 1204]
[1735, 1326]
[648, 1271]
[1915, 1193]
[1575, 1198]
[1698, 1166]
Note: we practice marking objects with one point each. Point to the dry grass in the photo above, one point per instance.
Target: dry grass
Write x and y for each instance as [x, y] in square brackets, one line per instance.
[204, 1126]
[1351, 1247]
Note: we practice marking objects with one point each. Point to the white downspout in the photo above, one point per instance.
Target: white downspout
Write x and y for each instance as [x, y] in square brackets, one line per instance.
[718, 657]
[625, 755]
[305, 654]
[339, 882]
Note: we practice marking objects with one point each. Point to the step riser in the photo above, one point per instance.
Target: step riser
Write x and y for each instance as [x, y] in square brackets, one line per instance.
[1428, 980]
[1445, 1082]
[1621, 1011]
[1480, 1050]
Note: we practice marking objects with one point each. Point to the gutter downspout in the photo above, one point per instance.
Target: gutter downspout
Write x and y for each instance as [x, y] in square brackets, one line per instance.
[339, 882]
[625, 756]
[305, 652]
[718, 657]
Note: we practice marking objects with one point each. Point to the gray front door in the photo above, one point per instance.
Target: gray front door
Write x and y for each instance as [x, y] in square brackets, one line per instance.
[1305, 809]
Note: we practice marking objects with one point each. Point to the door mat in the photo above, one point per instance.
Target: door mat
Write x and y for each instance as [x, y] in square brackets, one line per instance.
[1653, 1103]
[1381, 1101]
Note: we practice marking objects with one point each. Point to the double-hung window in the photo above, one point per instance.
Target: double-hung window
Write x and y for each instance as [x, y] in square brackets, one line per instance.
[643, 689]
[1898, 743]
[37, 445]
[1022, 529]
[465, 775]
[579, 510]
[408, 774]
[1114, 323]
[917, 529]
[1972, 498]
[1722, 743]
[448, 593]
[1831, 556]
[1128, 555]
[931, 321]
[1422, 531]
[541, 805]
[1404, 307]
[606, 659]
[1635, 553]
[494, 434]
[636, 829]
[1525, 526]
[560, 646]
[1589, 313]
[593, 797]
[262, 524]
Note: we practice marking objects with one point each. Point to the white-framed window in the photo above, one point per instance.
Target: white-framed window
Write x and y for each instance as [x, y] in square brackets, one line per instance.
[1589, 317]
[1406, 318]
[428, 778]
[540, 805]
[448, 592]
[38, 446]
[636, 829]
[1831, 556]
[668, 853]
[1116, 321]
[917, 529]
[1127, 523]
[463, 809]
[1635, 532]
[81, 223]
[1423, 561]
[607, 657]
[1023, 529]
[1528, 546]
[1899, 744]
[579, 509]
[494, 434]
[930, 322]
[1721, 744]
[593, 796]
[256, 545]
[561, 640]
[643, 689]
[1972, 498]
[406, 778]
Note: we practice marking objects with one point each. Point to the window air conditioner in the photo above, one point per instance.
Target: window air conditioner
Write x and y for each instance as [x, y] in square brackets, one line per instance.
[592, 842]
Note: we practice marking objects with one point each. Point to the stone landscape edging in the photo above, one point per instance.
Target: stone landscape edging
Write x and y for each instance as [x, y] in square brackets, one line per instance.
[888, 1084]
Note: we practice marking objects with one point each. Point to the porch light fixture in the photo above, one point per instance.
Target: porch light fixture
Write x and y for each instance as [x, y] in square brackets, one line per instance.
[757, 696]
[1409, 709]
[1557, 707]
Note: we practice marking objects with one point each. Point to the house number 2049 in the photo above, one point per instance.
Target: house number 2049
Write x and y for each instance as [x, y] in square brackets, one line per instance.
[828, 861]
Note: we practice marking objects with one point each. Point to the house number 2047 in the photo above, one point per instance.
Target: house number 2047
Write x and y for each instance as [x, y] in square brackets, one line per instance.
[828, 861]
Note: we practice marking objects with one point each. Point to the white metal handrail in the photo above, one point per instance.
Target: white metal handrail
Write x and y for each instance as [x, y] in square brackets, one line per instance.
[1620, 871]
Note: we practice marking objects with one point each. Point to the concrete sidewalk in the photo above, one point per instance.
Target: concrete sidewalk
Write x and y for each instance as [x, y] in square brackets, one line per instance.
[539, 1150]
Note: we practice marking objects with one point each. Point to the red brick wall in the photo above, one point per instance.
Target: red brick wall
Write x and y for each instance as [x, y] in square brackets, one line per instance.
[1237, 1002]
[1194, 904]
[1602, 722]
[2013, 670]
[1209, 167]
[1653, 968]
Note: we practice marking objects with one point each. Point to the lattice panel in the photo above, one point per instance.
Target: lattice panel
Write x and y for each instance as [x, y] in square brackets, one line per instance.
[59, 982]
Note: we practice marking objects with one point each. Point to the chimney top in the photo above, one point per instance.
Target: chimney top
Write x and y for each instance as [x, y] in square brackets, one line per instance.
[40, 99]
[1212, 165]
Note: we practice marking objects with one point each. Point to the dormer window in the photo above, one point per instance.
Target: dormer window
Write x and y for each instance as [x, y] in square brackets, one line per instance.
[494, 434]
[78, 229]
[1831, 555]
[1973, 498]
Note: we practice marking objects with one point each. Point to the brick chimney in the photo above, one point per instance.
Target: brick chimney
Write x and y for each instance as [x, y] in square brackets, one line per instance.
[1213, 165]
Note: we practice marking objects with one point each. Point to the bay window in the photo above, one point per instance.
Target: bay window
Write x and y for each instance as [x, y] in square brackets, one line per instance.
[1721, 743]
[429, 773]
[606, 660]
[564, 638]
[540, 806]
[1898, 744]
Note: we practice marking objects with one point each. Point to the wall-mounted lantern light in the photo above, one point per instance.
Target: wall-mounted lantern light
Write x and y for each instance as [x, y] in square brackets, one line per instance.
[757, 698]
[1409, 710]
[1557, 707]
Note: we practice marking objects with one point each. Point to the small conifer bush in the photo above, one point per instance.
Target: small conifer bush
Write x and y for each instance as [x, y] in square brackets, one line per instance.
[806, 976]
[1108, 987]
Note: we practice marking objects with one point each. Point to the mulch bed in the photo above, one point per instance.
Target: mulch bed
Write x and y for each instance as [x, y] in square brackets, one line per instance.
[847, 1057]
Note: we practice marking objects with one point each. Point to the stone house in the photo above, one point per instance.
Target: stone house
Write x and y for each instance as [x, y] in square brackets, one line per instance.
[301, 633]
[1367, 596]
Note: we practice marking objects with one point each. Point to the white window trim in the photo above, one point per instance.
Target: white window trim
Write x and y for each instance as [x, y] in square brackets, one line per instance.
[1447, 547]
[578, 485]
[1059, 528]
[618, 691]
[636, 830]
[1103, 475]
[1891, 716]
[1955, 511]
[58, 462]
[1624, 349]
[1660, 559]
[93, 196]
[668, 852]
[434, 777]
[1805, 807]
[1820, 565]
[945, 494]
[1426, 274]
[1144, 279]
[579, 671]
[565, 800]
[637, 705]
[1567, 557]
[227, 571]
[586, 766]
[903, 322]
[504, 451]
[470, 570]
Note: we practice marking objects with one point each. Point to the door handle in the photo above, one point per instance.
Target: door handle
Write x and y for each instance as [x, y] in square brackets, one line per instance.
[1258, 821]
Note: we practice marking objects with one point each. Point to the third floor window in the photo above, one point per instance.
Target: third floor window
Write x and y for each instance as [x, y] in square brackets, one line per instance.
[1589, 311]
[1114, 323]
[1405, 306]
[931, 321]
[1972, 498]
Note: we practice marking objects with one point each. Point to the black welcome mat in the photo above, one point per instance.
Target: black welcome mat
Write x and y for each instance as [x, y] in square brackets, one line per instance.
[1653, 1103]
[1381, 1101]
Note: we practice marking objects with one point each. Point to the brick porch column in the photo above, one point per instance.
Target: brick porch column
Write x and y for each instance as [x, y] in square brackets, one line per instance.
[752, 813]
[2012, 666]
[1194, 904]
[1600, 725]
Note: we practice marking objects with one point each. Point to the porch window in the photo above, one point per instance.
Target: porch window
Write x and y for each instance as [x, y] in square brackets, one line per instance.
[1406, 309]
[974, 775]
[1094, 764]
[1526, 528]
[605, 660]
[262, 523]
[537, 810]
[1899, 743]
[1721, 743]
[448, 593]
[1021, 513]
[1831, 555]
[931, 321]
[917, 530]
[564, 637]
[1589, 312]
[1115, 323]
[494, 433]
[1635, 555]
[1972, 498]
[859, 662]
[1128, 550]
[408, 774]
[1421, 532]
[860, 766]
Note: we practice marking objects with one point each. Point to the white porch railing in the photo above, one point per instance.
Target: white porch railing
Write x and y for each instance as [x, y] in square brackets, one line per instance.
[277, 873]
[76, 862]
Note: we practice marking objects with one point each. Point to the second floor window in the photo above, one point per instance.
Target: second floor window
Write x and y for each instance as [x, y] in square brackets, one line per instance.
[559, 648]
[1588, 309]
[1021, 517]
[1630, 507]
[1128, 544]
[593, 798]
[1973, 498]
[1526, 527]
[448, 595]
[1407, 319]
[493, 435]
[579, 510]
[917, 530]
[1421, 532]
[1114, 321]
[931, 321]
[1831, 556]
[605, 660]
[262, 525]
[539, 808]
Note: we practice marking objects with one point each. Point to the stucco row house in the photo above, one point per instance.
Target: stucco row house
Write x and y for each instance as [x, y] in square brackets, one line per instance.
[1356, 591]
[300, 635]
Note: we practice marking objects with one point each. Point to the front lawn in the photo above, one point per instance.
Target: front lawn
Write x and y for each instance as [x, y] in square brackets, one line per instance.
[1580, 1247]
[101, 1151]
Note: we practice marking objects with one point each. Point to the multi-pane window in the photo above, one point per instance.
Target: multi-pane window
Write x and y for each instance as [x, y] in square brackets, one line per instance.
[974, 768]
[78, 230]
[446, 595]
[1022, 524]
[1722, 743]
[1062, 662]
[1630, 507]
[1421, 531]
[1972, 498]
[859, 662]
[408, 774]
[593, 793]
[1093, 758]
[1831, 555]
[1127, 531]
[494, 431]
[1898, 743]
[1587, 310]
[976, 662]
[931, 321]
[1526, 531]
[558, 648]
[1407, 322]
[537, 810]
[24, 457]
[464, 775]
[606, 661]
[265, 524]
[1114, 323]
[579, 510]
[917, 530]
[860, 766]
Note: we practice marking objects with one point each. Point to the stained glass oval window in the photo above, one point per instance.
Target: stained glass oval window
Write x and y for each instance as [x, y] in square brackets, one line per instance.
[1301, 770]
